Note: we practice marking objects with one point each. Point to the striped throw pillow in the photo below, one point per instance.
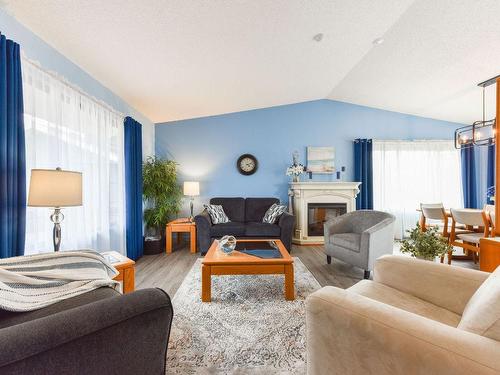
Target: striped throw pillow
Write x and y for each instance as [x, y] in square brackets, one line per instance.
[216, 213]
[273, 213]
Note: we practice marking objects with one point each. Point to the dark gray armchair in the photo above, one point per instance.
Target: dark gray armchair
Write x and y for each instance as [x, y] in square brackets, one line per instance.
[246, 222]
[99, 332]
[359, 238]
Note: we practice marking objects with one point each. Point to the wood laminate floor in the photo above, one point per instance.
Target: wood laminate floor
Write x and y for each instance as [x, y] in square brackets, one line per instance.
[167, 271]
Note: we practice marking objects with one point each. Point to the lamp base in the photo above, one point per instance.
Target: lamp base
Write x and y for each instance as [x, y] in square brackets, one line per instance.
[191, 217]
[57, 217]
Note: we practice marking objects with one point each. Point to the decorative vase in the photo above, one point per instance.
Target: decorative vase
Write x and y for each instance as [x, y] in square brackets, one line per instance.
[296, 178]
[227, 244]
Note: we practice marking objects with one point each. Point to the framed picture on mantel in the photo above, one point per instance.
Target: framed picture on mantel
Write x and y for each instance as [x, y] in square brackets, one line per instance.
[321, 160]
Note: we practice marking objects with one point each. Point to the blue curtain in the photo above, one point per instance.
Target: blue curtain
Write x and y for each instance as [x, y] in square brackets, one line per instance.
[12, 153]
[469, 181]
[133, 188]
[363, 171]
[491, 173]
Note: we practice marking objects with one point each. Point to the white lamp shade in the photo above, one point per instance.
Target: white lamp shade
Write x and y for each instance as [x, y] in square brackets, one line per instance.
[55, 188]
[191, 188]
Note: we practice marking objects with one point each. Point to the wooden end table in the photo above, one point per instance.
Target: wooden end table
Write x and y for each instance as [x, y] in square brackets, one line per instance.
[181, 226]
[237, 263]
[126, 269]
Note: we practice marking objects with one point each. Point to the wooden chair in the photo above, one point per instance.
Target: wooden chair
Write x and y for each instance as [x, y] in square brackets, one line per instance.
[489, 209]
[434, 214]
[479, 224]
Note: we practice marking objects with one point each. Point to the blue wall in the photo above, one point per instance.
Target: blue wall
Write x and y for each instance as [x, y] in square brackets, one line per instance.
[36, 49]
[207, 148]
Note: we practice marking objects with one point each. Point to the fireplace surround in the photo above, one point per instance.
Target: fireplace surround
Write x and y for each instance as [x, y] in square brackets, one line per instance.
[313, 203]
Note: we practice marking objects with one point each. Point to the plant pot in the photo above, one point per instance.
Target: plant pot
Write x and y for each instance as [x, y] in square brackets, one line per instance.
[154, 246]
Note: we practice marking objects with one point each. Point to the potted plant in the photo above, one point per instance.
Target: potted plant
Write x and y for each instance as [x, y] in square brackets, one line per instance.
[162, 196]
[425, 245]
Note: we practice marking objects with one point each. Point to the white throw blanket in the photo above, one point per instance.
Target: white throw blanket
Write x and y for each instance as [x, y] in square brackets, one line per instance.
[31, 282]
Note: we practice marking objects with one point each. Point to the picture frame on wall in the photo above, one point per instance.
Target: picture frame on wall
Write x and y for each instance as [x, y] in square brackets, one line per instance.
[321, 160]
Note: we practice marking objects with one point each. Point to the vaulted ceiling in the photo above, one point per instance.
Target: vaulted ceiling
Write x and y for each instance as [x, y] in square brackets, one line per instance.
[178, 59]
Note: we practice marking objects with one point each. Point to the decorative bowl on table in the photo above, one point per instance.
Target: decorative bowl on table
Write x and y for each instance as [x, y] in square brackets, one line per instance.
[227, 244]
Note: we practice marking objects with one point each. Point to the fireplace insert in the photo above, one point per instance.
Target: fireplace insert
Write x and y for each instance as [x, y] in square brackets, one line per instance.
[318, 213]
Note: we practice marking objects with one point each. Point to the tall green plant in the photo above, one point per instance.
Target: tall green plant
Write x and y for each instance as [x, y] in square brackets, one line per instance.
[161, 193]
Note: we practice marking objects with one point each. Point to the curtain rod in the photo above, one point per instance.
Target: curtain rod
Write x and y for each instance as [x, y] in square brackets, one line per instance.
[72, 86]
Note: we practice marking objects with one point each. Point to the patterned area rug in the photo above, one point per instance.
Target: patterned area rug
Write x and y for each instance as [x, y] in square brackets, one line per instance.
[248, 328]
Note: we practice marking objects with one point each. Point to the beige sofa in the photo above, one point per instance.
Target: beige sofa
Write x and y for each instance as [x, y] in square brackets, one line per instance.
[415, 317]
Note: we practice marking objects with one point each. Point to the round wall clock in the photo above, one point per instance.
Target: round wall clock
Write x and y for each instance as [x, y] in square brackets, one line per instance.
[247, 164]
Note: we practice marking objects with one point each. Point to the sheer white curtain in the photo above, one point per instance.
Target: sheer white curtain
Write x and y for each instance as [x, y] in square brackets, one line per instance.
[407, 173]
[66, 128]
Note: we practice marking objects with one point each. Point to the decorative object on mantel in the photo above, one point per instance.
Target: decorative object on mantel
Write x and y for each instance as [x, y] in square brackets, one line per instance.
[321, 160]
[313, 202]
[425, 245]
[55, 188]
[296, 169]
[480, 133]
[339, 176]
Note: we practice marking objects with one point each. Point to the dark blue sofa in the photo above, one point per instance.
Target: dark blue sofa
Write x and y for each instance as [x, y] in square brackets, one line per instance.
[246, 222]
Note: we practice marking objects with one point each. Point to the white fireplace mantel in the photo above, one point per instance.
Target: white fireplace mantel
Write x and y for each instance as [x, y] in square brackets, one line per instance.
[303, 193]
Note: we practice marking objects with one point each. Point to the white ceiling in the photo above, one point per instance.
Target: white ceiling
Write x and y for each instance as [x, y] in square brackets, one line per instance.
[181, 59]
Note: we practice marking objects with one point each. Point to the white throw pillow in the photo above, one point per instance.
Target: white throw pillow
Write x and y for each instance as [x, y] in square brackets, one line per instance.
[216, 213]
[482, 312]
[273, 213]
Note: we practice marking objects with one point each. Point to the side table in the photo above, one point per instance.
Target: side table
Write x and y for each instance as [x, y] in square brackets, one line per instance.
[126, 268]
[182, 225]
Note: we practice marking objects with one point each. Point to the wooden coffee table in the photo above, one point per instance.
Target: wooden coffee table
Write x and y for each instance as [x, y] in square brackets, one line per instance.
[237, 263]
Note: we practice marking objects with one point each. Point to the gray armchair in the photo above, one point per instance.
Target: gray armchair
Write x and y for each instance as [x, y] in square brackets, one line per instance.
[359, 238]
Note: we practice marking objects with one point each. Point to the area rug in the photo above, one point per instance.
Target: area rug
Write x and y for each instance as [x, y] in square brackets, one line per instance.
[248, 328]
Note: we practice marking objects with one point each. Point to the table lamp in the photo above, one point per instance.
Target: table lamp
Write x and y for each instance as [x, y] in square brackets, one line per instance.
[191, 189]
[55, 188]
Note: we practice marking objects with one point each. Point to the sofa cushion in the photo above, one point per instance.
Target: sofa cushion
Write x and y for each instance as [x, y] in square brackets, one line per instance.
[255, 208]
[232, 228]
[273, 213]
[217, 214]
[350, 241]
[9, 318]
[262, 230]
[482, 312]
[233, 207]
[390, 296]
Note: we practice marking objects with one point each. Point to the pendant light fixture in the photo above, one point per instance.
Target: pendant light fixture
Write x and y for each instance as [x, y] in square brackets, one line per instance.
[480, 133]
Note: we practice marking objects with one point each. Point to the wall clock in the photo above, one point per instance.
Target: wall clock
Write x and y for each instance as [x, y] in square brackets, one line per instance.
[247, 164]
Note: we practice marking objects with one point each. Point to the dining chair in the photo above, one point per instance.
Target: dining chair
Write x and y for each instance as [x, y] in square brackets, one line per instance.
[489, 209]
[479, 224]
[434, 214]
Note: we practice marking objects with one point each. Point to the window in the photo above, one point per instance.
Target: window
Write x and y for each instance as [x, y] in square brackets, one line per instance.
[407, 173]
[68, 129]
